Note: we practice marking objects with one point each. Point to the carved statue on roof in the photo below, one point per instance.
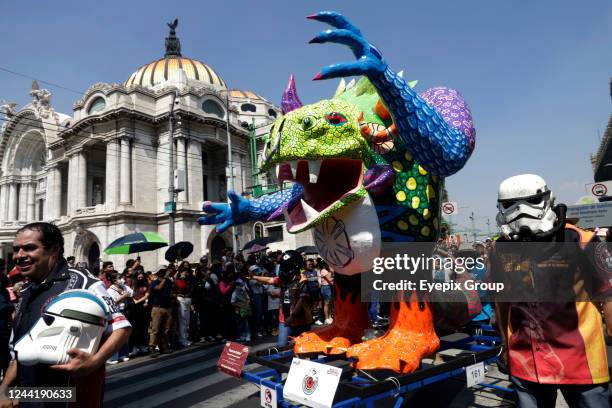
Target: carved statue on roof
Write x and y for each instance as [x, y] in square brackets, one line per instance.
[173, 44]
[8, 108]
[41, 101]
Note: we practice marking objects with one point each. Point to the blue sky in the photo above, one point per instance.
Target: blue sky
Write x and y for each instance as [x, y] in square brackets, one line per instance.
[535, 74]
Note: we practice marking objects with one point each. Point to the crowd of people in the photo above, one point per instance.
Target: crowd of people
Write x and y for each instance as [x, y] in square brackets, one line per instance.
[213, 300]
[233, 297]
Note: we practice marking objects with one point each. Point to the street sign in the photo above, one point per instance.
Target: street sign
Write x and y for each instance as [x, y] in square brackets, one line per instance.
[592, 215]
[169, 207]
[267, 397]
[232, 358]
[600, 189]
[312, 384]
[450, 208]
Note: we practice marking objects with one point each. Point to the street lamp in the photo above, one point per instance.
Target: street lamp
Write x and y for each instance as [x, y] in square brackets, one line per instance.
[230, 167]
[171, 193]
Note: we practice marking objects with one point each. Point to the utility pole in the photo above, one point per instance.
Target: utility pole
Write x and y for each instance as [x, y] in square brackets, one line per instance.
[230, 182]
[171, 193]
[472, 219]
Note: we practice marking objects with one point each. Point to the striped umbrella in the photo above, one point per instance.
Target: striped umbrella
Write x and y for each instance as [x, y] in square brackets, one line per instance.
[136, 242]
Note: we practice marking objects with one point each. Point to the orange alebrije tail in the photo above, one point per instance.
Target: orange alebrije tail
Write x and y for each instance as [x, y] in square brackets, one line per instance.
[382, 111]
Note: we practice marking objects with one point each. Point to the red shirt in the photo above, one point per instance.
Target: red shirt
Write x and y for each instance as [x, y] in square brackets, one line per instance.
[183, 288]
[140, 292]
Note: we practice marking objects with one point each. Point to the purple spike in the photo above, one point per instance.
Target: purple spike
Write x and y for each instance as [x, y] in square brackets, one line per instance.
[290, 99]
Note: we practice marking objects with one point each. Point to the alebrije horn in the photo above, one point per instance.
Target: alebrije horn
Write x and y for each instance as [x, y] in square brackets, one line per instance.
[290, 100]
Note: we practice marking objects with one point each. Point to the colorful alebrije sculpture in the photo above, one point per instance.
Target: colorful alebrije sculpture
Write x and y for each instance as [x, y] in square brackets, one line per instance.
[367, 167]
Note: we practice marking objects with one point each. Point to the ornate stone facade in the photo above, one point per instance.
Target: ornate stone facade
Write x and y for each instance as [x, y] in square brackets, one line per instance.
[102, 172]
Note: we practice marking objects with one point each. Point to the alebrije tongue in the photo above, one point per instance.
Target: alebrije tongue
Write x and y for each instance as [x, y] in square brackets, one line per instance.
[288, 205]
[379, 178]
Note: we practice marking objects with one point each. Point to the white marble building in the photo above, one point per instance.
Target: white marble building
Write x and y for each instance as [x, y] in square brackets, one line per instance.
[102, 171]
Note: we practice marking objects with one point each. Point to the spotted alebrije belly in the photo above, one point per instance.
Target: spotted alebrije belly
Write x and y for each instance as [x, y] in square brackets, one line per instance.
[418, 192]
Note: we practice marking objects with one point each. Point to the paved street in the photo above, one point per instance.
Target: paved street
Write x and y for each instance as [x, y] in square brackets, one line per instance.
[182, 379]
[189, 378]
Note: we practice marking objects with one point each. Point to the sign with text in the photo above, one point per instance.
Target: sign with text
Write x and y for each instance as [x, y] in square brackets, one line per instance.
[232, 358]
[600, 189]
[475, 374]
[312, 384]
[450, 208]
[268, 397]
[592, 215]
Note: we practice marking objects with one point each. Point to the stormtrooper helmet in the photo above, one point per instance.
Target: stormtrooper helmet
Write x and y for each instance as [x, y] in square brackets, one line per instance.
[525, 206]
[74, 319]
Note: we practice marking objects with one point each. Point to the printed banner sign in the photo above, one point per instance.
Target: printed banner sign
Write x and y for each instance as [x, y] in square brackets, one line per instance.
[312, 384]
[592, 215]
[232, 358]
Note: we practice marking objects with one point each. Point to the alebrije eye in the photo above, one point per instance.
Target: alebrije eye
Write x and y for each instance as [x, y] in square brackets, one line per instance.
[308, 122]
[335, 118]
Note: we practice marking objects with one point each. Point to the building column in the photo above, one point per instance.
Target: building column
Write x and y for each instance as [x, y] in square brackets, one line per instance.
[12, 202]
[3, 201]
[82, 180]
[37, 205]
[53, 205]
[126, 169]
[30, 204]
[22, 202]
[194, 173]
[112, 157]
[181, 163]
[73, 172]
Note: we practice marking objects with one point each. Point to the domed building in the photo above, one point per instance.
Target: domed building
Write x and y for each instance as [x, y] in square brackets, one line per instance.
[104, 171]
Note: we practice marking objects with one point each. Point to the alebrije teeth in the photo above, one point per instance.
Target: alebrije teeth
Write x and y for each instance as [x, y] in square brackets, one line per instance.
[293, 166]
[310, 212]
[314, 168]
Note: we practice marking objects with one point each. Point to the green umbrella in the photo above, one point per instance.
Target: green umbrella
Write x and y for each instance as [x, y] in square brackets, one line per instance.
[136, 242]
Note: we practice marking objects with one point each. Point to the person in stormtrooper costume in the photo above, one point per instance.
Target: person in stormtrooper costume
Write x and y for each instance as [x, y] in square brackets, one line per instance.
[548, 344]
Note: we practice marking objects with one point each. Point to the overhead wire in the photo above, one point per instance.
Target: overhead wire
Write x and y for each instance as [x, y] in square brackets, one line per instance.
[197, 170]
[147, 148]
[10, 71]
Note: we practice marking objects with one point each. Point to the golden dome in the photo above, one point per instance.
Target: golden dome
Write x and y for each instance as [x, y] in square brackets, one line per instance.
[168, 68]
[237, 93]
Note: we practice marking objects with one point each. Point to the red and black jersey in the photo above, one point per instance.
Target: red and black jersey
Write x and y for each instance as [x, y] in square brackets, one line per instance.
[558, 342]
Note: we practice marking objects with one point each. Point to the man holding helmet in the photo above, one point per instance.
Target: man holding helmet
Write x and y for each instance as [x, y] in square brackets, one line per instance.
[552, 332]
[38, 254]
[295, 313]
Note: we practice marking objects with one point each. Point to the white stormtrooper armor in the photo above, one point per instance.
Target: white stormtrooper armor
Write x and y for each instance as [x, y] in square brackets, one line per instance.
[526, 205]
[74, 319]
